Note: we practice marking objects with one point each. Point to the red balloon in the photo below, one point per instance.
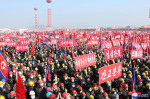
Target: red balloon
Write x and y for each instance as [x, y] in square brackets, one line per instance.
[35, 9]
[49, 1]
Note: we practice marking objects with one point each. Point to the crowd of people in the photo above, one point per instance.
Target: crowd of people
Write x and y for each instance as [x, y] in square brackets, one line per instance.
[68, 83]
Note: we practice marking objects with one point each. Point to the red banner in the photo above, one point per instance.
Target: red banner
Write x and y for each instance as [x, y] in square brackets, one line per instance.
[11, 44]
[79, 36]
[144, 45]
[2, 44]
[113, 53]
[19, 39]
[138, 47]
[94, 38]
[116, 42]
[110, 72]
[57, 36]
[66, 34]
[106, 45]
[67, 43]
[82, 39]
[25, 42]
[117, 37]
[22, 48]
[136, 54]
[32, 40]
[1, 36]
[6, 39]
[53, 41]
[85, 61]
[93, 43]
[122, 41]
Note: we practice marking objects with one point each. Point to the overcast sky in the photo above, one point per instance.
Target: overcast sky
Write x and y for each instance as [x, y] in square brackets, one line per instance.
[75, 13]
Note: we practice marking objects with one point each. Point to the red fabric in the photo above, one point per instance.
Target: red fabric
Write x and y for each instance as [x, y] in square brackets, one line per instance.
[72, 54]
[3, 67]
[50, 57]
[32, 50]
[20, 90]
[41, 41]
[49, 78]
[136, 54]
[65, 56]
[149, 73]
[113, 53]
[148, 50]
[110, 72]
[85, 61]
[67, 43]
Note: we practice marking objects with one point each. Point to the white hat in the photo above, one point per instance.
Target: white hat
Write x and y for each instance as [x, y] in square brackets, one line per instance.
[32, 93]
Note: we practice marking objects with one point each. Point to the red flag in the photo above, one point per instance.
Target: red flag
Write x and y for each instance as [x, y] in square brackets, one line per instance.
[20, 90]
[50, 57]
[32, 50]
[72, 54]
[49, 78]
[65, 56]
[41, 41]
[149, 72]
[148, 50]
[4, 69]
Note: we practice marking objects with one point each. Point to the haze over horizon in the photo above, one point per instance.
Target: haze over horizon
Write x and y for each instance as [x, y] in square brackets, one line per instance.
[75, 13]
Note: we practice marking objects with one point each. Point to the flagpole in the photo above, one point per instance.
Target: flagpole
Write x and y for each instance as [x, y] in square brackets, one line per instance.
[147, 48]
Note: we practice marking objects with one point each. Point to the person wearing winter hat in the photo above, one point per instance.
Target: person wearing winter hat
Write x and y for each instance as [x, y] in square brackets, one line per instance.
[66, 95]
[48, 94]
[32, 78]
[121, 84]
[2, 97]
[89, 91]
[62, 88]
[48, 89]
[147, 88]
[66, 81]
[52, 96]
[40, 89]
[140, 85]
[4, 89]
[32, 95]
[55, 89]
[12, 94]
[80, 90]
[114, 94]
[95, 89]
[74, 93]
[105, 95]
[125, 92]
[107, 87]
[83, 95]
[100, 93]
[30, 87]
[91, 97]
